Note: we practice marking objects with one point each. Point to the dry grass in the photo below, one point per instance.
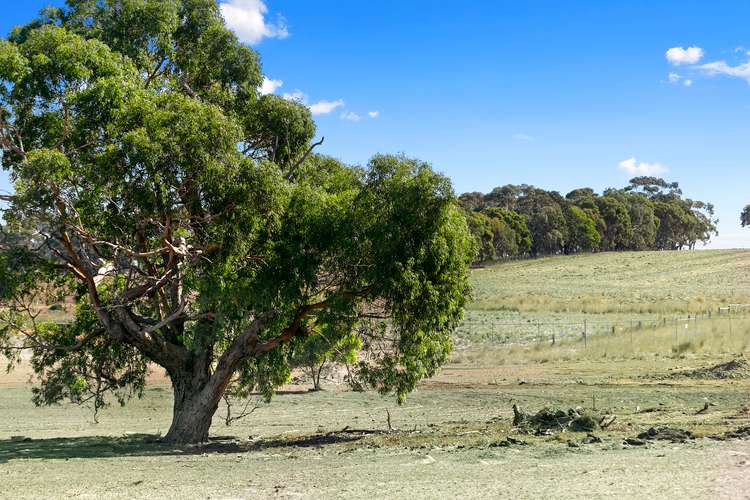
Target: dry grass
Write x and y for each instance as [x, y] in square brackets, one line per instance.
[447, 433]
[525, 301]
[608, 283]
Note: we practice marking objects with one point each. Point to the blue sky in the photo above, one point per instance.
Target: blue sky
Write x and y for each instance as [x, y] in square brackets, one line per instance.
[556, 94]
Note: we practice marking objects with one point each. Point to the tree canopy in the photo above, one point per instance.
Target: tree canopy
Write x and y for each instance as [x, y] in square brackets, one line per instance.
[193, 223]
[649, 214]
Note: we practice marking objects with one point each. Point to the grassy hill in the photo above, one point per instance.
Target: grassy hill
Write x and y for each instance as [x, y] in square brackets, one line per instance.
[520, 301]
[616, 282]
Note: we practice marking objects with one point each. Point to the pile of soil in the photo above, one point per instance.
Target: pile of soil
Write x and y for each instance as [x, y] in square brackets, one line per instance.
[739, 433]
[509, 441]
[672, 434]
[548, 420]
[734, 369]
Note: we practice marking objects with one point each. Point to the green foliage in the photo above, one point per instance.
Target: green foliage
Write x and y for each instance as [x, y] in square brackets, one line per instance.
[582, 233]
[193, 224]
[649, 214]
[644, 221]
[326, 345]
[618, 227]
[84, 365]
[517, 224]
[481, 229]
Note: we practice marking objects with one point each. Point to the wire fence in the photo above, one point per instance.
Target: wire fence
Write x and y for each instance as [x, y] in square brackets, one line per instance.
[530, 331]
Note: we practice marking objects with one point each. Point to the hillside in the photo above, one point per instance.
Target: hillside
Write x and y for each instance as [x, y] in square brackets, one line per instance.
[616, 281]
[520, 300]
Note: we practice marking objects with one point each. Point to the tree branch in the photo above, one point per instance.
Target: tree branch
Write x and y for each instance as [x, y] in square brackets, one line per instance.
[293, 169]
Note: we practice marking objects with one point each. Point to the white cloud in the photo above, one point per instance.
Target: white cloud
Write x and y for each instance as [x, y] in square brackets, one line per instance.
[722, 68]
[522, 137]
[296, 95]
[269, 86]
[350, 116]
[373, 114]
[247, 18]
[675, 78]
[632, 167]
[321, 107]
[325, 107]
[681, 55]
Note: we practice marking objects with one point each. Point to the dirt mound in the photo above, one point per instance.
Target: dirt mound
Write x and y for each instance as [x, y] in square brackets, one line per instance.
[672, 434]
[734, 369]
[739, 433]
[509, 441]
[548, 420]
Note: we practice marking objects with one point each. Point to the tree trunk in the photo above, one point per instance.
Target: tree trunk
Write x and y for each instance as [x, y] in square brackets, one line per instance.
[195, 402]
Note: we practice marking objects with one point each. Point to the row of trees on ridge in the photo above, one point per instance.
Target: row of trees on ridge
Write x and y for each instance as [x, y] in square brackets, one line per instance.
[649, 214]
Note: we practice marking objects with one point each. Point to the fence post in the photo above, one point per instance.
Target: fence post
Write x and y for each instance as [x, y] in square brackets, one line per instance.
[539, 331]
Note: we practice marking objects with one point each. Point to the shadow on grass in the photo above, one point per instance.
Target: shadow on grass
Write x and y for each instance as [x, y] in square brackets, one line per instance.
[148, 445]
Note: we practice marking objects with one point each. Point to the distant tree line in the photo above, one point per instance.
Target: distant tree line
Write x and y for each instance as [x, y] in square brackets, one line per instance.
[649, 214]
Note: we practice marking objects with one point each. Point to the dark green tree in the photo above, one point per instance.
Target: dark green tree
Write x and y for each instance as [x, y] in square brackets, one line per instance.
[480, 227]
[472, 201]
[643, 220]
[582, 233]
[618, 228]
[192, 223]
[745, 216]
[517, 224]
[674, 224]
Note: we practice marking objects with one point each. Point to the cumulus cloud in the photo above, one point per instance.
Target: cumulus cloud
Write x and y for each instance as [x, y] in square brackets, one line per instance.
[324, 107]
[688, 83]
[681, 55]
[522, 137]
[373, 114]
[632, 167]
[350, 116]
[269, 86]
[722, 68]
[321, 107]
[247, 18]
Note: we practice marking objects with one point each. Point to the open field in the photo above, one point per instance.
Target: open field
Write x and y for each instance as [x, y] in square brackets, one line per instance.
[451, 437]
[632, 282]
[522, 301]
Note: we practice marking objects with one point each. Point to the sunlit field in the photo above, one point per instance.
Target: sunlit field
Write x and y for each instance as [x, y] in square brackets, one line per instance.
[644, 361]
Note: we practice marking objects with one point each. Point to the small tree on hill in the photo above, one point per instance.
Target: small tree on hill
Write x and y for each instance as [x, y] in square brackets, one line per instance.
[193, 224]
[324, 348]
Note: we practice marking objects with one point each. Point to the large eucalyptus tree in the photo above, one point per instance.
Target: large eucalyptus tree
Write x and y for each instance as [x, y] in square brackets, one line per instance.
[193, 224]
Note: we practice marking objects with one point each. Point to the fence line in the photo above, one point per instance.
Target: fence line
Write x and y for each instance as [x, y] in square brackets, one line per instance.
[540, 331]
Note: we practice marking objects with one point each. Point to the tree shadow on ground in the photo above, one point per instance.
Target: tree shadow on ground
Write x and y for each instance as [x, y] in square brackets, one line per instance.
[20, 448]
